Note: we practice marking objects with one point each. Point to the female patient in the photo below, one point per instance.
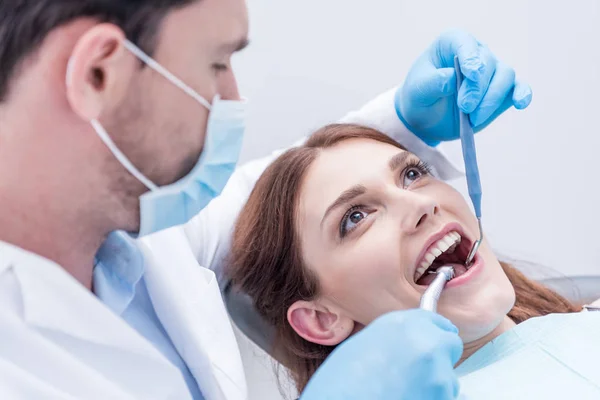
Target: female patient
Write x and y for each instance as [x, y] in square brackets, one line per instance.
[350, 226]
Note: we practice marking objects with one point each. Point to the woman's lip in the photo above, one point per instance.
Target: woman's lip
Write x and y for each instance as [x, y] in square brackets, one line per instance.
[472, 272]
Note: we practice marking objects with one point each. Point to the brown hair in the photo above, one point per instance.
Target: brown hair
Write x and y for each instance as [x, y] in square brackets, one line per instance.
[266, 260]
[25, 24]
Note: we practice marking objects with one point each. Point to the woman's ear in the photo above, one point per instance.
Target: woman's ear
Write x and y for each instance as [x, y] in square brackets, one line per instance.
[319, 324]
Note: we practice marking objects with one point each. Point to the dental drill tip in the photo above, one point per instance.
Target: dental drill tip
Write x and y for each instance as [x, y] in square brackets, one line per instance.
[447, 272]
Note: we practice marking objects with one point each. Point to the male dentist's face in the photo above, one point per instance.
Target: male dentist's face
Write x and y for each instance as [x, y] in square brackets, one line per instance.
[160, 128]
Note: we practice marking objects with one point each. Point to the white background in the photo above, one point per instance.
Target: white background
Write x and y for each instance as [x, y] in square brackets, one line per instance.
[311, 61]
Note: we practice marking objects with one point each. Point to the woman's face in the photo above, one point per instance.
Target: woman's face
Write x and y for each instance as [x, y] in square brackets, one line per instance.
[371, 219]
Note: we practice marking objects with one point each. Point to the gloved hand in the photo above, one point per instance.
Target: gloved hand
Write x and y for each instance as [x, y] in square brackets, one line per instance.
[427, 102]
[402, 355]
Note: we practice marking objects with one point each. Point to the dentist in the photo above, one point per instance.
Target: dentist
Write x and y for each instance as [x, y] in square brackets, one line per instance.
[122, 118]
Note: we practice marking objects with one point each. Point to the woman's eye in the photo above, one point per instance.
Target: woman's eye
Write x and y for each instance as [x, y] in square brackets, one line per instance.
[352, 218]
[411, 175]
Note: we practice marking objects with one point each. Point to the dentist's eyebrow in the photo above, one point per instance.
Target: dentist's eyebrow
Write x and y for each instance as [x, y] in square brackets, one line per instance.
[399, 160]
[344, 198]
[235, 46]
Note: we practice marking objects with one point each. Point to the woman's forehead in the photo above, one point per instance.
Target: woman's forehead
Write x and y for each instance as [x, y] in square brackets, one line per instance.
[340, 167]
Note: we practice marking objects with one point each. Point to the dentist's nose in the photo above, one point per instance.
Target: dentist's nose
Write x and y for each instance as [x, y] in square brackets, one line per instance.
[418, 211]
[227, 86]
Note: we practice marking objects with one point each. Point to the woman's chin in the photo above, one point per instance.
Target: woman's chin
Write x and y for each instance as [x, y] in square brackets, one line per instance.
[480, 303]
[483, 315]
[476, 331]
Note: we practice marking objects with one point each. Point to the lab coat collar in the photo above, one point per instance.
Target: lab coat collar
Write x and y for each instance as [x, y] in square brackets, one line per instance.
[188, 302]
[53, 300]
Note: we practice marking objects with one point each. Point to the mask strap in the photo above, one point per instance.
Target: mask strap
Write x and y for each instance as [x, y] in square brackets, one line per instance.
[149, 61]
[121, 157]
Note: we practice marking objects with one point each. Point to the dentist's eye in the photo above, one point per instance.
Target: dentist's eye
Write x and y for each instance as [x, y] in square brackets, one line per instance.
[351, 219]
[414, 171]
[220, 67]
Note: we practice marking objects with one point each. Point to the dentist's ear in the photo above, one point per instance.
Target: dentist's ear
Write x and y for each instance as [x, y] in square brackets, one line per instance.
[99, 71]
[319, 324]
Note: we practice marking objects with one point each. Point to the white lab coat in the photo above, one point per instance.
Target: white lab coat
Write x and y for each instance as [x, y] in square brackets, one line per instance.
[57, 340]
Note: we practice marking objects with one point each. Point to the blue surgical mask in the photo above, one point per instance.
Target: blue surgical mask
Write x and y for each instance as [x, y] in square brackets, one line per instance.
[175, 204]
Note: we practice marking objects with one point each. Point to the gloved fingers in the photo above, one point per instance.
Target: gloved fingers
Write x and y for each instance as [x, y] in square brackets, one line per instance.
[522, 95]
[441, 381]
[442, 322]
[472, 91]
[442, 333]
[450, 344]
[431, 85]
[447, 337]
[500, 88]
[419, 316]
[455, 389]
[439, 352]
[459, 43]
[453, 345]
[506, 104]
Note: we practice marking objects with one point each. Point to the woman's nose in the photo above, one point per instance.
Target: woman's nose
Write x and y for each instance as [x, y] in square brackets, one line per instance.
[416, 210]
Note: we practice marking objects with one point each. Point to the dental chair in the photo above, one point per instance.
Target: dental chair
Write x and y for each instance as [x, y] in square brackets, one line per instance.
[579, 289]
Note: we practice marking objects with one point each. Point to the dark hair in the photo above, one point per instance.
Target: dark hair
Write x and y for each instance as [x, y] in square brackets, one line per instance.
[266, 260]
[24, 24]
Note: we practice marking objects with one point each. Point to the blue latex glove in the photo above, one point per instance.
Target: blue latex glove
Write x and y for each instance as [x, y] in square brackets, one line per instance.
[427, 102]
[402, 355]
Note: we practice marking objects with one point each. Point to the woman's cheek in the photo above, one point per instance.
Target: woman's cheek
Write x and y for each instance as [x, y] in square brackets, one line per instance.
[455, 203]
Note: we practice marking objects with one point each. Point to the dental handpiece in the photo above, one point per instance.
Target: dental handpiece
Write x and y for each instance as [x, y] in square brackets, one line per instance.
[432, 294]
[471, 168]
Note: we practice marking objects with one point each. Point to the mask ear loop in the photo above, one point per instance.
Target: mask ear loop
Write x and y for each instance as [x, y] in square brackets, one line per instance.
[121, 157]
[149, 61]
[110, 144]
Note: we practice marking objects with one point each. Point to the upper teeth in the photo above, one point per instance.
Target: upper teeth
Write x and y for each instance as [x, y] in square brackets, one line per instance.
[448, 242]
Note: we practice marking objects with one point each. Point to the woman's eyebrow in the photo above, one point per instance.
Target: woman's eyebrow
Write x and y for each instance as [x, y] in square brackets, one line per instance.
[395, 162]
[344, 198]
[399, 160]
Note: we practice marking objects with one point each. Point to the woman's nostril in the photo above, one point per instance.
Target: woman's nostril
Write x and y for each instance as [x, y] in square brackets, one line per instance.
[421, 220]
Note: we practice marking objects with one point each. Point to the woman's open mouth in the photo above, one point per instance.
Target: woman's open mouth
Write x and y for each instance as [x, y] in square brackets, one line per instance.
[452, 249]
